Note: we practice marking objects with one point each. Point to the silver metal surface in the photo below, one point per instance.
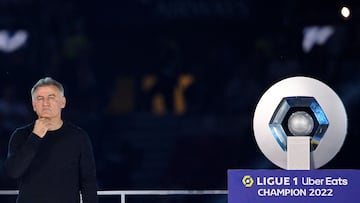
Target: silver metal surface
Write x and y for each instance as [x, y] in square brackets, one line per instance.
[330, 143]
[300, 123]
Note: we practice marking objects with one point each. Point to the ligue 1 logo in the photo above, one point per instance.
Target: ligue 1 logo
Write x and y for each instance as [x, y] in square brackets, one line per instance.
[248, 181]
[304, 107]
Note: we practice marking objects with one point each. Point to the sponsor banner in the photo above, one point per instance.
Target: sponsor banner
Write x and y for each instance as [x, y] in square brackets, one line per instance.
[295, 186]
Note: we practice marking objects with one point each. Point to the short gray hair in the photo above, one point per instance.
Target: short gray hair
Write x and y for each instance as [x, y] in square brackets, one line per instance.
[47, 81]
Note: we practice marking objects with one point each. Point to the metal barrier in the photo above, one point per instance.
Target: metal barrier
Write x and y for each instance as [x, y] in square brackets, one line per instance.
[124, 193]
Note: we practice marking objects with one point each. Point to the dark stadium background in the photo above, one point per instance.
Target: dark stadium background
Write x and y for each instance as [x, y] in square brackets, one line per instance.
[167, 89]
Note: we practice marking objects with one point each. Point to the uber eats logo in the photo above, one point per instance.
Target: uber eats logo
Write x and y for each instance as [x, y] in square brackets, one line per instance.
[248, 181]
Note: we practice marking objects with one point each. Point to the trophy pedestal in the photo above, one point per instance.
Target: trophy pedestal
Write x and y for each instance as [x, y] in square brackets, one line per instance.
[295, 186]
[298, 153]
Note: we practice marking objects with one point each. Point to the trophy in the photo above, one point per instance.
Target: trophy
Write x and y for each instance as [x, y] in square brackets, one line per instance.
[300, 123]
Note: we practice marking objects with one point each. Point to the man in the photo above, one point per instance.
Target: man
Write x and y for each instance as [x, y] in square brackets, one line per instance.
[51, 158]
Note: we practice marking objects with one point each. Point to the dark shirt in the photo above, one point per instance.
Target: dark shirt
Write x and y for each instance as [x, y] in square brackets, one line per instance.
[53, 169]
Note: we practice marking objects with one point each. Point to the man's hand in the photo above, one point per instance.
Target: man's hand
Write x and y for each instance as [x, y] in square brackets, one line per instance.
[41, 127]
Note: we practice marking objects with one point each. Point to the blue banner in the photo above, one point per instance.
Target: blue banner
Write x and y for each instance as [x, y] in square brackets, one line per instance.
[295, 186]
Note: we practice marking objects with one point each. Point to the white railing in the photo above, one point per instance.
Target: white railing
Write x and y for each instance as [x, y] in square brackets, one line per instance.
[124, 193]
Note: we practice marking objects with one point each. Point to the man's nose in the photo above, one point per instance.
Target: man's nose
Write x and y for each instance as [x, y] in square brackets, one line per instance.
[46, 102]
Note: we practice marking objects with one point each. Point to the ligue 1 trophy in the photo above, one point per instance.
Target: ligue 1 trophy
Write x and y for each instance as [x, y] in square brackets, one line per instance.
[300, 123]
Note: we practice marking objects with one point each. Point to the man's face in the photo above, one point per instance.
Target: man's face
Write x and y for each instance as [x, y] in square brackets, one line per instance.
[48, 102]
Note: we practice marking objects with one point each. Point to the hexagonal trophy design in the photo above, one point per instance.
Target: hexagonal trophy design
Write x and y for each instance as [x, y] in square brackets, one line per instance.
[300, 108]
[298, 116]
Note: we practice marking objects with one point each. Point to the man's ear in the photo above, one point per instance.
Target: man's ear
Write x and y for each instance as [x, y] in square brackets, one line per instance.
[63, 102]
[33, 105]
